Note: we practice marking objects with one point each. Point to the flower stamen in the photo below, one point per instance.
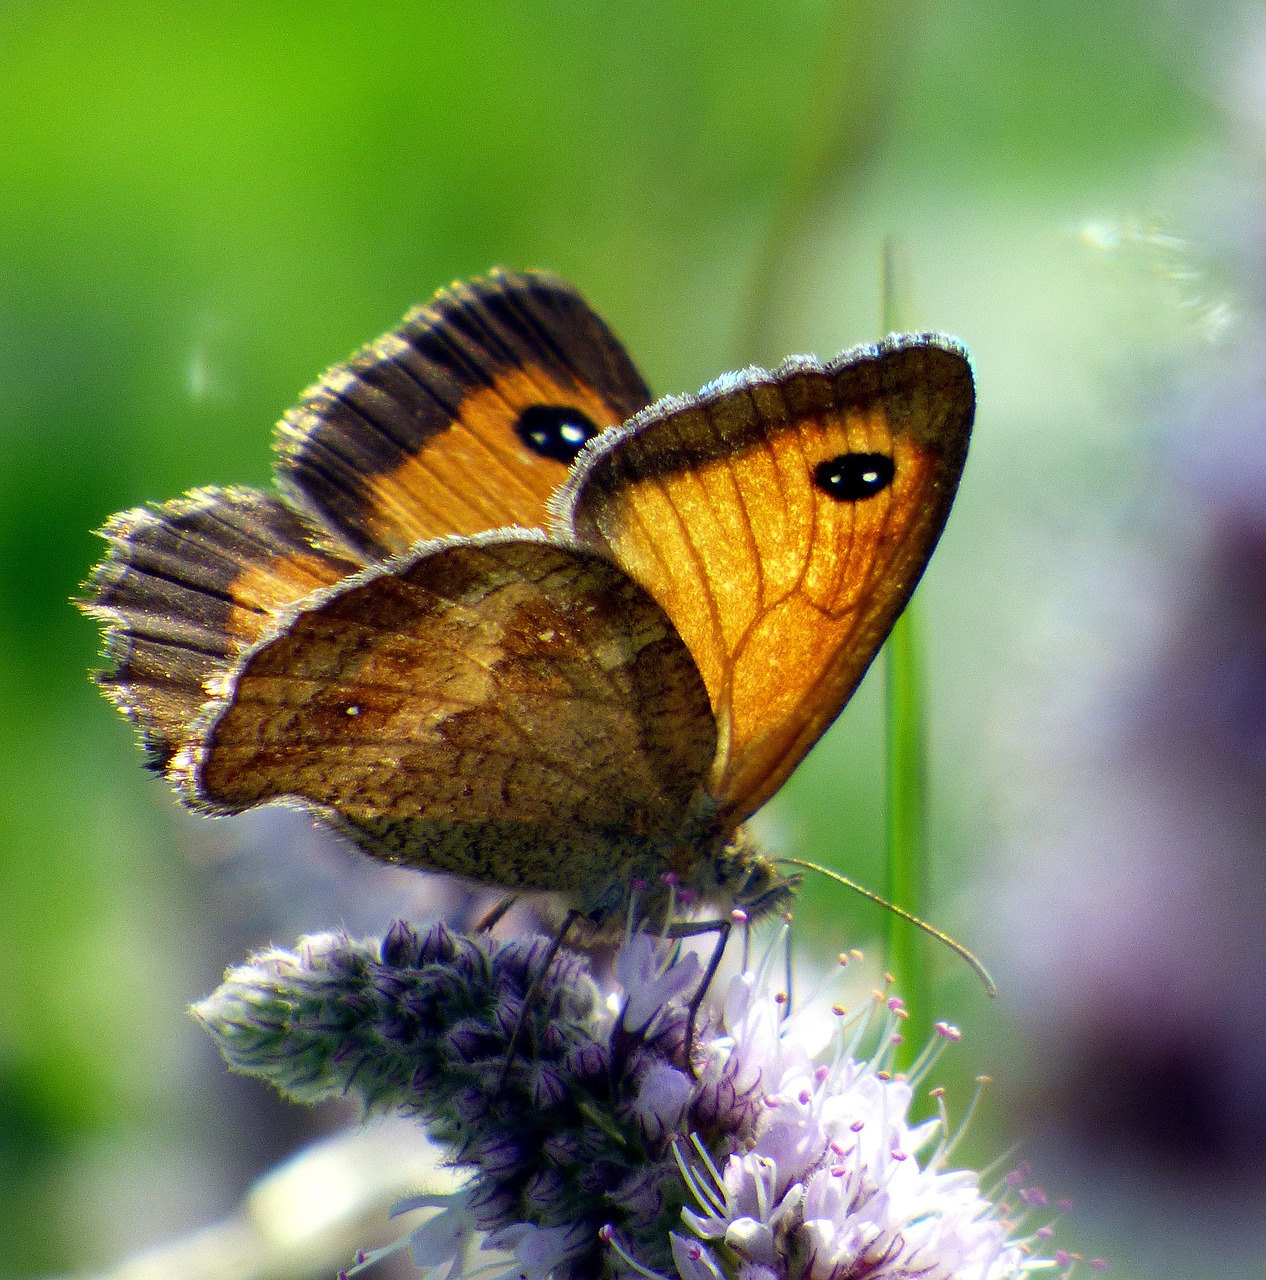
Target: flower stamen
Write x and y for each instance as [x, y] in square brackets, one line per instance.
[608, 1236]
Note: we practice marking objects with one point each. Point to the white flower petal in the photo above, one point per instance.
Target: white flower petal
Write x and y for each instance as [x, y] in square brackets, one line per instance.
[751, 1239]
[537, 1250]
[443, 1237]
[648, 985]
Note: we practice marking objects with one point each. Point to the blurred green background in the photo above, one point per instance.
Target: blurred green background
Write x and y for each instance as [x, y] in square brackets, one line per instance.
[201, 207]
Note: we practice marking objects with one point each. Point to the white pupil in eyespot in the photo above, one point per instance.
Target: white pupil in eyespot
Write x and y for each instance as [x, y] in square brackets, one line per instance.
[572, 433]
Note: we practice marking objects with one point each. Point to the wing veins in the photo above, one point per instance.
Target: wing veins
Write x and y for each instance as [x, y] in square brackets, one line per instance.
[419, 769]
[396, 505]
[858, 608]
[453, 412]
[243, 697]
[337, 478]
[520, 727]
[160, 576]
[489, 498]
[214, 511]
[532, 322]
[503, 458]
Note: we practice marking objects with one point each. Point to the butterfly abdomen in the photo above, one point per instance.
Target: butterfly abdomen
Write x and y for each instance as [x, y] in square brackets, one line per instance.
[184, 589]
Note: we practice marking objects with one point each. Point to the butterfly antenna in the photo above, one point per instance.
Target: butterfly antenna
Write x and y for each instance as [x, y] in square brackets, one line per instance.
[956, 947]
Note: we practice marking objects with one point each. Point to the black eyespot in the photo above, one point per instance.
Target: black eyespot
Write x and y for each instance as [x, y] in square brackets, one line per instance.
[555, 431]
[854, 476]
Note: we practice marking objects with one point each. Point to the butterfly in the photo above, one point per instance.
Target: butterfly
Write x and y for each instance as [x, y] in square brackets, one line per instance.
[506, 618]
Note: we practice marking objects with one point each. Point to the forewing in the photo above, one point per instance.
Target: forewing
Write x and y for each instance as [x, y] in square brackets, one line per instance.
[504, 708]
[464, 418]
[782, 521]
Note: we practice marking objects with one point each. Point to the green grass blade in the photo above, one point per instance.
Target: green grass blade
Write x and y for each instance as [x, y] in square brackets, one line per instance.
[906, 765]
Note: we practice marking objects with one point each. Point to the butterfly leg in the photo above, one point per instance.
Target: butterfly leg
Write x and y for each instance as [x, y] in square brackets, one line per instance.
[694, 929]
[493, 917]
[534, 986]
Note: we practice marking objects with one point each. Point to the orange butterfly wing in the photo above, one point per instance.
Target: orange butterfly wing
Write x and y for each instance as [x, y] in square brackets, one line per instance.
[464, 418]
[782, 521]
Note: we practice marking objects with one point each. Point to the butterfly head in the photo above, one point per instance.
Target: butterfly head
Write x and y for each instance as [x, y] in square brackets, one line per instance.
[758, 888]
[734, 874]
[705, 874]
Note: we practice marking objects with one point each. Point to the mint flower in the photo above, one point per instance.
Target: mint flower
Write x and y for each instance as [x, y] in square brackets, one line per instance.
[597, 1148]
[831, 1186]
[569, 1132]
